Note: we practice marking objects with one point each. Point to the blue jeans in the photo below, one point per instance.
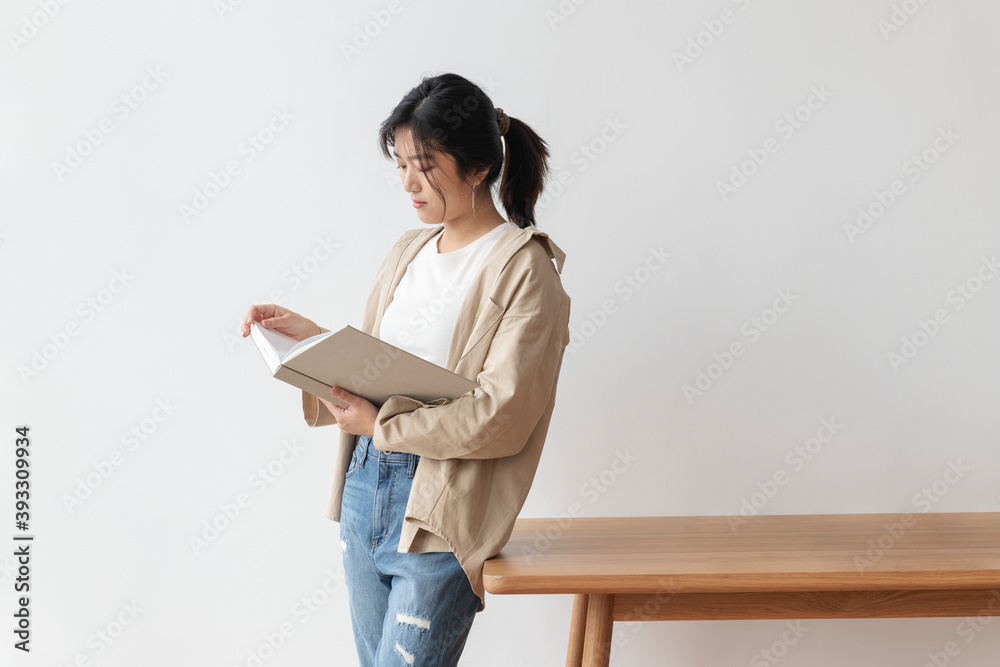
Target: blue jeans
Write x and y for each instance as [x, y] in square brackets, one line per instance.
[406, 608]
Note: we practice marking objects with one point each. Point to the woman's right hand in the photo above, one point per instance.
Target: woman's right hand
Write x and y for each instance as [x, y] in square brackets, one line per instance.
[284, 321]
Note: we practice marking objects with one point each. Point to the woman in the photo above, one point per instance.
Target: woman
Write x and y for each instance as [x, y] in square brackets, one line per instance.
[425, 492]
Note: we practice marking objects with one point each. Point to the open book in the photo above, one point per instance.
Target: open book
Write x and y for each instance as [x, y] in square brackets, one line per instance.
[358, 362]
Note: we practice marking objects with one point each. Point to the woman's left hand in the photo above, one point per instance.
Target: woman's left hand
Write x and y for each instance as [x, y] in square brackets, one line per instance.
[359, 416]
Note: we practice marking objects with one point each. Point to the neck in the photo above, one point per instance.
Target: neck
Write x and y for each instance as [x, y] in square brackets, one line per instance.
[460, 233]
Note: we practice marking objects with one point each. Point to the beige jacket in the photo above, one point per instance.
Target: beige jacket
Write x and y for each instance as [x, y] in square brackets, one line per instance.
[479, 452]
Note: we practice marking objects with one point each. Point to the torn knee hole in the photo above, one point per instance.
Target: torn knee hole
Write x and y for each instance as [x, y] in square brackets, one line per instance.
[407, 656]
[410, 619]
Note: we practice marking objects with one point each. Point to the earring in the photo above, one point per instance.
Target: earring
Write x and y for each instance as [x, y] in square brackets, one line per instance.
[474, 197]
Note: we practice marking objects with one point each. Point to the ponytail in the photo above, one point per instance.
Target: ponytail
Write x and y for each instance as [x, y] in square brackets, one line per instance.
[525, 167]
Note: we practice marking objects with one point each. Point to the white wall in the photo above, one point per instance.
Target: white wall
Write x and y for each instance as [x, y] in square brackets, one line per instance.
[595, 69]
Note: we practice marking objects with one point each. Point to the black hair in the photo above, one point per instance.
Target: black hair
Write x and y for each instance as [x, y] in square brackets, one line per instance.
[451, 114]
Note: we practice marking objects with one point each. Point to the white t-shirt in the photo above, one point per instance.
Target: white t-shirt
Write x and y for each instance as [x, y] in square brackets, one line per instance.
[424, 308]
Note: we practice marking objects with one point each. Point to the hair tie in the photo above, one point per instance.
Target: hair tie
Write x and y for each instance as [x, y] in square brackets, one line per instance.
[503, 121]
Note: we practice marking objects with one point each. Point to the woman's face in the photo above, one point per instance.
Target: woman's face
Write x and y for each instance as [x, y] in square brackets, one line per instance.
[414, 171]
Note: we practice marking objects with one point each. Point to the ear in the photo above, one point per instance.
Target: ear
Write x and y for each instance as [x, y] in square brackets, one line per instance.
[480, 174]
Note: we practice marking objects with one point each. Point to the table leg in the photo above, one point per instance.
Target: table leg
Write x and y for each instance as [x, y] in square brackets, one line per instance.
[577, 630]
[597, 644]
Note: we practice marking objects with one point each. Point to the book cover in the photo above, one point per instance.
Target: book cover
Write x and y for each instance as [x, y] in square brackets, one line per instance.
[360, 363]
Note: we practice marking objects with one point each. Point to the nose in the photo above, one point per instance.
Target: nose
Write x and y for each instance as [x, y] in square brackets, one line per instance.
[410, 182]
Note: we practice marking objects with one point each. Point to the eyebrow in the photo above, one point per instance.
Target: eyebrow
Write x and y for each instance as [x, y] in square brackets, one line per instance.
[422, 156]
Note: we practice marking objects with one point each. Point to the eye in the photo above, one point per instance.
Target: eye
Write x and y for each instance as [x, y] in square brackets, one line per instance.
[422, 171]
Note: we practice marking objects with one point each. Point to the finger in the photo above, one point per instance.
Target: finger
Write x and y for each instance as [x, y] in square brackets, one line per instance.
[249, 316]
[247, 321]
[274, 322]
[255, 314]
[344, 395]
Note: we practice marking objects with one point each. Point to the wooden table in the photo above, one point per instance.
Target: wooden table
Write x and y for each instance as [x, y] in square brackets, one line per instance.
[758, 567]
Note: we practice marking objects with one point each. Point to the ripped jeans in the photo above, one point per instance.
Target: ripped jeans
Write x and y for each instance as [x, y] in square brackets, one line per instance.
[406, 608]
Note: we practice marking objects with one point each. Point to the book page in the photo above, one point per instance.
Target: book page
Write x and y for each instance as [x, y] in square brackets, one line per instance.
[304, 345]
[276, 345]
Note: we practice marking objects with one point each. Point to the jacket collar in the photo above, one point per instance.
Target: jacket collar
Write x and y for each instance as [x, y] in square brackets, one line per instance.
[513, 239]
[509, 243]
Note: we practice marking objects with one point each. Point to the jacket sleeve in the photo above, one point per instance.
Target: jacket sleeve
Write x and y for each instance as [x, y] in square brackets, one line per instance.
[494, 420]
[314, 410]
